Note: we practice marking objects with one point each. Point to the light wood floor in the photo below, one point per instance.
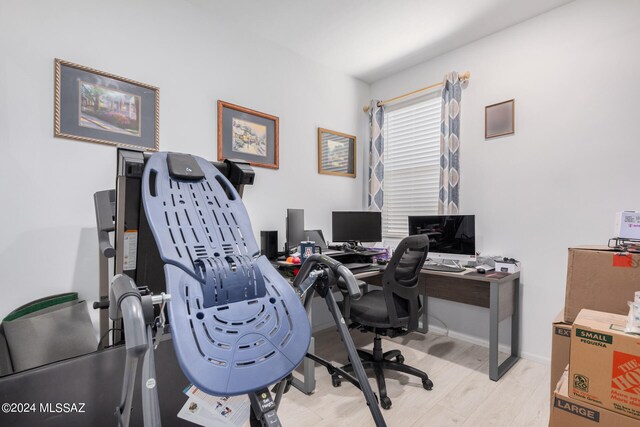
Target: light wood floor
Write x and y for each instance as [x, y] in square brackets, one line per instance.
[463, 394]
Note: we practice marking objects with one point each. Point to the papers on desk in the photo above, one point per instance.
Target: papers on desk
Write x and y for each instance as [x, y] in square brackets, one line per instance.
[211, 411]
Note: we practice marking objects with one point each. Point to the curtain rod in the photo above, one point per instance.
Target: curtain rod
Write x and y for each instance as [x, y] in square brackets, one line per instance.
[464, 77]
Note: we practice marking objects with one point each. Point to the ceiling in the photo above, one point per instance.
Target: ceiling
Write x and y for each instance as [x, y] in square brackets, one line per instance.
[372, 39]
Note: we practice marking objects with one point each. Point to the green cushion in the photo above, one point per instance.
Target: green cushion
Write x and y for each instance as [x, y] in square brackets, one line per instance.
[40, 304]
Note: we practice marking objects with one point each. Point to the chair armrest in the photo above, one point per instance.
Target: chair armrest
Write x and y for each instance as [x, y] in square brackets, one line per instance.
[342, 287]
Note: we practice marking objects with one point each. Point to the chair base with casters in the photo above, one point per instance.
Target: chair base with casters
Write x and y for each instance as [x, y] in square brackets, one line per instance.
[392, 311]
[378, 362]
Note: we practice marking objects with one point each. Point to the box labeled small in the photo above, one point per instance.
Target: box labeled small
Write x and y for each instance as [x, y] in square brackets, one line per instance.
[604, 368]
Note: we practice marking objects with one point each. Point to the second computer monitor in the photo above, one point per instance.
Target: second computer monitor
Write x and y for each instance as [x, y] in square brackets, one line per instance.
[358, 226]
[451, 237]
[295, 227]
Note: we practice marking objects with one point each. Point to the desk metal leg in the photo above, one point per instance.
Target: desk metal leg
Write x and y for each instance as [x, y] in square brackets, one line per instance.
[424, 328]
[515, 320]
[494, 322]
[308, 383]
[496, 371]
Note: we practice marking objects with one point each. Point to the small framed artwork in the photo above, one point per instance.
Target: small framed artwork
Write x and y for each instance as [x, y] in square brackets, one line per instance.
[94, 106]
[499, 119]
[336, 153]
[247, 135]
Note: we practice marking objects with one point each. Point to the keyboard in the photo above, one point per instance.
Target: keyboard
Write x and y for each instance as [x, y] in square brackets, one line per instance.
[443, 267]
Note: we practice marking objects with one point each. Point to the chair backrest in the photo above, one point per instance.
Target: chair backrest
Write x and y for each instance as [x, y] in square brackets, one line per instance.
[400, 280]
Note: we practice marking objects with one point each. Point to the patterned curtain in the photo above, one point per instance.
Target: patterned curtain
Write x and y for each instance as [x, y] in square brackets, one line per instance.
[376, 157]
[448, 199]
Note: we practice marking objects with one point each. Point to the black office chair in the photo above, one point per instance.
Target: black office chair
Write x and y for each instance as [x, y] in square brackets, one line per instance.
[392, 311]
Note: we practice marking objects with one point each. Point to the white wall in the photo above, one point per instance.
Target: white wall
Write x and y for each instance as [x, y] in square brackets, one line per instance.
[573, 160]
[48, 239]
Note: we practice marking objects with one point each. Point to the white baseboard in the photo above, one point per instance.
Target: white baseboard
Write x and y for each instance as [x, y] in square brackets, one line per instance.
[463, 337]
[485, 343]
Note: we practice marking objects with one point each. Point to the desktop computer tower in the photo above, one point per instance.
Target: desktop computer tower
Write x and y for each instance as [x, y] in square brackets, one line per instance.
[269, 244]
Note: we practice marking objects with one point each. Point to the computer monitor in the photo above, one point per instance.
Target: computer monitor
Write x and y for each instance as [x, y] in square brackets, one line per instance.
[361, 226]
[295, 227]
[451, 237]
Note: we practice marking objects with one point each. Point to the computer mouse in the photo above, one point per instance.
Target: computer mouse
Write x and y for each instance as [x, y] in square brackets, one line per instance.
[481, 270]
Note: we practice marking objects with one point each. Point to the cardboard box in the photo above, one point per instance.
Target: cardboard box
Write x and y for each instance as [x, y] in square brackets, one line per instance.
[560, 345]
[598, 278]
[566, 411]
[604, 367]
[627, 225]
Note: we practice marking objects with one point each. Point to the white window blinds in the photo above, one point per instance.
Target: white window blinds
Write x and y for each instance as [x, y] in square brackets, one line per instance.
[411, 163]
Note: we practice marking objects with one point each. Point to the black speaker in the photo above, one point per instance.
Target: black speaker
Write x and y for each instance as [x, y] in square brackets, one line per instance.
[269, 244]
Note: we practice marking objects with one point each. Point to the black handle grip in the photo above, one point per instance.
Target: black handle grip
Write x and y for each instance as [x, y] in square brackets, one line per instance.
[106, 248]
[102, 305]
[104, 202]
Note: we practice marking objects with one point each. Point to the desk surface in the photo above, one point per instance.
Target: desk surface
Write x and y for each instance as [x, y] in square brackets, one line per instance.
[468, 274]
[341, 253]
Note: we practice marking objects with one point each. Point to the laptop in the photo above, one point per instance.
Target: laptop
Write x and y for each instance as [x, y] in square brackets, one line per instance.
[317, 237]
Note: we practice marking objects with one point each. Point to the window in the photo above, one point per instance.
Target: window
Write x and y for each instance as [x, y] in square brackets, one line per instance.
[411, 163]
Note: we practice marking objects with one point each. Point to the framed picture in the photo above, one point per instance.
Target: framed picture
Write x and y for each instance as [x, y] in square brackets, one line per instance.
[336, 153]
[499, 119]
[247, 135]
[95, 106]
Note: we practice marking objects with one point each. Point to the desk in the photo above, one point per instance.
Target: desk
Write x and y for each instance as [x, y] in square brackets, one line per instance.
[501, 295]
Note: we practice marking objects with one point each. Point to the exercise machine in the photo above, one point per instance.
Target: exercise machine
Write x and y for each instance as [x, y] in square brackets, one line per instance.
[237, 326]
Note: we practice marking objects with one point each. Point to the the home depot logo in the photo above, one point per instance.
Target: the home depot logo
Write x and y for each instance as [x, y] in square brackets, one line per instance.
[594, 338]
[625, 374]
[579, 410]
[580, 382]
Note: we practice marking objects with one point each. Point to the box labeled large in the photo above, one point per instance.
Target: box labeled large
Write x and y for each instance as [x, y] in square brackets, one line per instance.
[604, 367]
[627, 225]
[560, 346]
[599, 278]
[566, 411]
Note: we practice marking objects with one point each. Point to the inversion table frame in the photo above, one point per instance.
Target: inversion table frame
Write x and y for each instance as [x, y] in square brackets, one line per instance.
[237, 325]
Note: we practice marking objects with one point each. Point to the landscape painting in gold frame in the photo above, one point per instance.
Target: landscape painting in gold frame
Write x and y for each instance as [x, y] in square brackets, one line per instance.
[336, 153]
